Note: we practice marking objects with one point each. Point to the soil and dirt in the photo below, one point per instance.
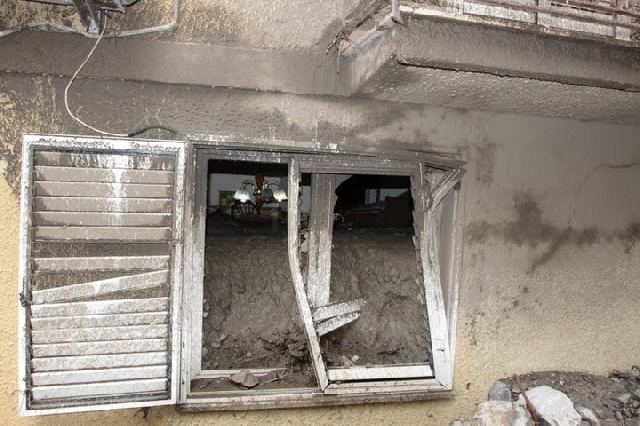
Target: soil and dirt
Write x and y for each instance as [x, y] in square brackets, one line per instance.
[380, 267]
[614, 397]
[251, 319]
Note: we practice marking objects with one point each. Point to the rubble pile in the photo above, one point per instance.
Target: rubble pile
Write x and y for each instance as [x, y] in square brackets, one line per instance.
[561, 399]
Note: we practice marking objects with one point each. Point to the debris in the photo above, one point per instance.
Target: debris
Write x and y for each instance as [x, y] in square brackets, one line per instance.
[501, 413]
[552, 405]
[499, 392]
[355, 358]
[588, 416]
[336, 322]
[530, 407]
[324, 313]
[244, 378]
[346, 362]
[624, 398]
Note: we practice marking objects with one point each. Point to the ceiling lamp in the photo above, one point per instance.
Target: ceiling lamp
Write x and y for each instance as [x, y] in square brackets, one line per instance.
[261, 192]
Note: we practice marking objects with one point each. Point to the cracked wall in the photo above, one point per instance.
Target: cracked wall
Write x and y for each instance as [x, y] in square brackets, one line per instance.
[551, 259]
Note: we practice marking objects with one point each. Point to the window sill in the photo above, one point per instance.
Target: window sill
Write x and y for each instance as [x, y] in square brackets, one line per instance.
[301, 399]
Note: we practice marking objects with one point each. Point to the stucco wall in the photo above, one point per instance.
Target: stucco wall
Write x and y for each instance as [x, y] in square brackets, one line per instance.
[551, 264]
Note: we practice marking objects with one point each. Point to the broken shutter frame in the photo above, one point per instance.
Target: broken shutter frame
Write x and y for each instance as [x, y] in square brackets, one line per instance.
[62, 330]
[436, 185]
[429, 188]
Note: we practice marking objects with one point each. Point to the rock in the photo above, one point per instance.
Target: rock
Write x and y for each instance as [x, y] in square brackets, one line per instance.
[624, 398]
[515, 389]
[499, 392]
[244, 378]
[632, 422]
[588, 416]
[553, 406]
[619, 415]
[612, 422]
[459, 423]
[355, 358]
[600, 413]
[501, 413]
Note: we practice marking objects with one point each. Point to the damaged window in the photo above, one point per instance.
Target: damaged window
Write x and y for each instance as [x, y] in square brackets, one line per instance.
[303, 278]
[342, 290]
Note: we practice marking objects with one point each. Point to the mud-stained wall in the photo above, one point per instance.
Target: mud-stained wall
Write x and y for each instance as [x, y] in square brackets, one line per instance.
[551, 250]
[291, 24]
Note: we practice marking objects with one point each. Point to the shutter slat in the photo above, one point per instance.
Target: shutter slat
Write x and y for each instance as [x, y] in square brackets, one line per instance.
[107, 205]
[99, 348]
[101, 229]
[101, 307]
[108, 190]
[115, 263]
[94, 362]
[97, 389]
[130, 332]
[104, 375]
[103, 160]
[101, 288]
[101, 219]
[56, 233]
[89, 321]
[78, 174]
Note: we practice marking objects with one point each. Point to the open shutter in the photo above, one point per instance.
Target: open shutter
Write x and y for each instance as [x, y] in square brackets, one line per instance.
[101, 243]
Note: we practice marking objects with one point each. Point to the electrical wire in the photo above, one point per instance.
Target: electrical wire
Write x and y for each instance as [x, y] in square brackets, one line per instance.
[66, 93]
[67, 29]
[102, 132]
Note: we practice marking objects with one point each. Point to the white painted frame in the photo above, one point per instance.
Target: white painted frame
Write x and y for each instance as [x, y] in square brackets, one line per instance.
[311, 158]
[428, 190]
[31, 142]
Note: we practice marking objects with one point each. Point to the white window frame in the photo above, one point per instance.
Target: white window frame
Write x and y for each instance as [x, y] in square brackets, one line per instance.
[439, 177]
[435, 177]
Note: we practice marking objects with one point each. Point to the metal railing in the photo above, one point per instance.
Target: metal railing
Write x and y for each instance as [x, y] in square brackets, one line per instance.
[600, 17]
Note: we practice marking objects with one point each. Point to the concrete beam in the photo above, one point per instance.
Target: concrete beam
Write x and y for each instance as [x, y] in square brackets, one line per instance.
[291, 71]
[448, 44]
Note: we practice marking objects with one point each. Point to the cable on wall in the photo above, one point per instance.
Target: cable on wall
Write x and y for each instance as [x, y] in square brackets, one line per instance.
[102, 132]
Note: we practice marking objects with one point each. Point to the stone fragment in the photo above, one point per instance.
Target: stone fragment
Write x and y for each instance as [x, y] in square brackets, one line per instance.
[553, 406]
[515, 389]
[588, 416]
[244, 378]
[501, 413]
[499, 392]
[619, 415]
[624, 398]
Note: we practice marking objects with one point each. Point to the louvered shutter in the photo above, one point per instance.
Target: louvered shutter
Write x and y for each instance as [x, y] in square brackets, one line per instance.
[100, 271]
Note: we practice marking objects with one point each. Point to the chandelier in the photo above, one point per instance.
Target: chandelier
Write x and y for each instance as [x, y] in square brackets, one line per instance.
[261, 191]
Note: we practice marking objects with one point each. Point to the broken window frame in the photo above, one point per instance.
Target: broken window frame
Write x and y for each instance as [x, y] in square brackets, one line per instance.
[429, 187]
[434, 178]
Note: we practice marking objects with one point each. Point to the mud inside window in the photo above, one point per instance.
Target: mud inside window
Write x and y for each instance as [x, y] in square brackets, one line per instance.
[329, 293]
